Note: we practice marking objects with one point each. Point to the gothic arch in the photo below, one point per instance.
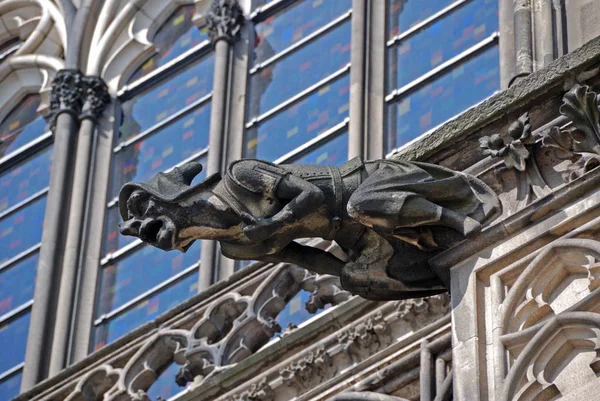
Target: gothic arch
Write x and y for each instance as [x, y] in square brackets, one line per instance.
[127, 42]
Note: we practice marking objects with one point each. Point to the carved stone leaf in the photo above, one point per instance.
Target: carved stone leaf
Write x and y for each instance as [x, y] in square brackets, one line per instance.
[581, 106]
[517, 156]
[560, 142]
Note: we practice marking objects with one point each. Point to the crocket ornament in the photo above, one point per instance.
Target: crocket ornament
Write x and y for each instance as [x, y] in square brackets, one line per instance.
[389, 216]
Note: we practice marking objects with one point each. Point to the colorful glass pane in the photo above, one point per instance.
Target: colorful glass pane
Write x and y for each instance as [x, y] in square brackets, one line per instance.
[145, 311]
[17, 283]
[22, 125]
[10, 387]
[308, 65]
[25, 179]
[291, 25]
[441, 41]
[139, 272]
[178, 141]
[165, 386]
[22, 230]
[403, 14]
[13, 337]
[177, 35]
[444, 98]
[154, 106]
[332, 153]
[301, 122]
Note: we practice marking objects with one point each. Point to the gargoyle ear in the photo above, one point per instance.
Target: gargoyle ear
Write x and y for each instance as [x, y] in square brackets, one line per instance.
[189, 171]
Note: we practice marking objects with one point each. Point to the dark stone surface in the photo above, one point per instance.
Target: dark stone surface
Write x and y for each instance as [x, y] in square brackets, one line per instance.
[389, 216]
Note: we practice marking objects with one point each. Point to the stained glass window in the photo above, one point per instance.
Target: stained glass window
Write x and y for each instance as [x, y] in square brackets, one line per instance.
[146, 310]
[440, 41]
[332, 153]
[17, 283]
[21, 230]
[299, 123]
[178, 141]
[447, 96]
[293, 24]
[177, 35]
[308, 65]
[139, 272]
[10, 387]
[403, 14]
[13, 337]
[25, 179]
[155, 105]
[22, 125]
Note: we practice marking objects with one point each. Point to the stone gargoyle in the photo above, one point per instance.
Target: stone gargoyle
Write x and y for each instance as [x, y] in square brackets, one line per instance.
[389, 216]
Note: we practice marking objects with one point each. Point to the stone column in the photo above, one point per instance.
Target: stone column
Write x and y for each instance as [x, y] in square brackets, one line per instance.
[523, 39]
[65, 107]
[224, 21]
[97, 98]
[358, 79]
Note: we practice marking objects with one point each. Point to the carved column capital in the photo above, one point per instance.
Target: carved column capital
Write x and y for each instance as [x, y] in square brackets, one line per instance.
[67, 94]
[97, 96]
[70, 90]
[224, 20]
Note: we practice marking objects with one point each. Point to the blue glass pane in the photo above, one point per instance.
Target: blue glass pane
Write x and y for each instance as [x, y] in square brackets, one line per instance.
[113, 239]
[441, 41]
[152, 107]
[332, 153]
[139, 272]
[17, 284]
[22, 230]
[25, 179]
[145, 311]
[175, 37]
[176, 142]
[165, 386]
[291, 25]
[13, 337]
[449, 95]
[304, 67]
[299, 123]
[22, 125]
[10, 387]
[294, 312]
[403, 14]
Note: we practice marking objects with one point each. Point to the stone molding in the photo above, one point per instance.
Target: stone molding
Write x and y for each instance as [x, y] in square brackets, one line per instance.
[224, 21]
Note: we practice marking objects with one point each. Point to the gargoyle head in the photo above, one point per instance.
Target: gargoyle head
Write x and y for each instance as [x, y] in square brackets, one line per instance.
[160, 210]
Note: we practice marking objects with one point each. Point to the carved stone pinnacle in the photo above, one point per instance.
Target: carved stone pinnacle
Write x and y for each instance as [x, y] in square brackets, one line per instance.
[224, 20]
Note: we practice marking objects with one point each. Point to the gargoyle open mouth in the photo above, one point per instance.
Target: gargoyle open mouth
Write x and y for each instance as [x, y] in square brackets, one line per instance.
[159, 232]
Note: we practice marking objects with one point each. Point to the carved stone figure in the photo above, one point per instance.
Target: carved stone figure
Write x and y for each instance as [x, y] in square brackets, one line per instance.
[389, 216]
